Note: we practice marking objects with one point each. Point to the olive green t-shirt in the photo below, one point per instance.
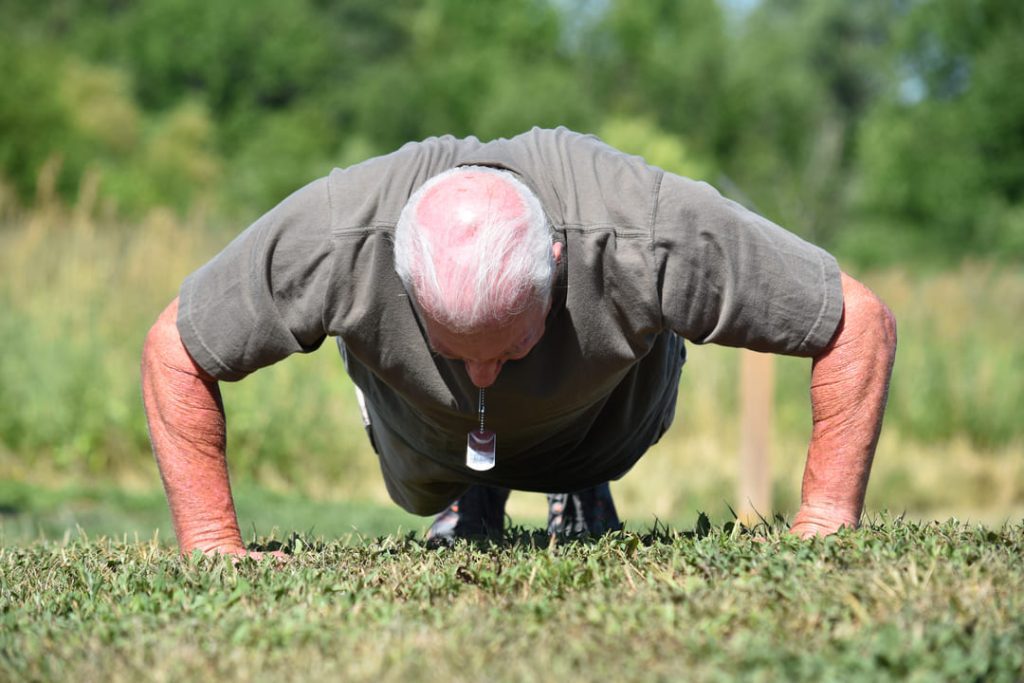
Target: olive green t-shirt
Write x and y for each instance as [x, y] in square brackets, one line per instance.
[650, 259]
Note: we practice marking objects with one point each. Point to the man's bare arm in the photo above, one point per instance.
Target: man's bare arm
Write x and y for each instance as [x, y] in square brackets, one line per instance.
[849, 388]
[187, 428]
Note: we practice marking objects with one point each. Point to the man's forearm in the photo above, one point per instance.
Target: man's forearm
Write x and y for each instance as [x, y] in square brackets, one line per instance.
[849, 388]
[187, 428]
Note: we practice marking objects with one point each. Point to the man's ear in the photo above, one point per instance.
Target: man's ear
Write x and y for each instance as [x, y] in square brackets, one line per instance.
[556, 251]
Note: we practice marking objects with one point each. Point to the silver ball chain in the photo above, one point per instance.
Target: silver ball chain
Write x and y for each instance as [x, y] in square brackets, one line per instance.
[481, 409]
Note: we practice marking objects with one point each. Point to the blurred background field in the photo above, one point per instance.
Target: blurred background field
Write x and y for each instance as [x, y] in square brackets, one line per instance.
[137, 138]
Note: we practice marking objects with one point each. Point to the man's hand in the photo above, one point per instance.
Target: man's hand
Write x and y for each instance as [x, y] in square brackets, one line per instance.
[849, 387]
[187, 428]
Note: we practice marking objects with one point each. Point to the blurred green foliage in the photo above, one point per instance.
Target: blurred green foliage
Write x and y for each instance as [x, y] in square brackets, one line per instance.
[135, 137]
[885, 129]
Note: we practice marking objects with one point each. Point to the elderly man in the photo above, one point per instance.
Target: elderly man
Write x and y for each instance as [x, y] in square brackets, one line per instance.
[529, 297]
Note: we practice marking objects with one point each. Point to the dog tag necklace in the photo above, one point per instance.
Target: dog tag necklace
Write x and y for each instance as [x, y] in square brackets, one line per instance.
[480, 443]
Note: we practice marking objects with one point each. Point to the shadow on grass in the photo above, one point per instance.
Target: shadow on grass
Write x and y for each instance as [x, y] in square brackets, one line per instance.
[519, 537]
[275, 521]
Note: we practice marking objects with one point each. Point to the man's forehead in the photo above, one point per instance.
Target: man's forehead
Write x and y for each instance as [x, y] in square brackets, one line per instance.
[491, 341]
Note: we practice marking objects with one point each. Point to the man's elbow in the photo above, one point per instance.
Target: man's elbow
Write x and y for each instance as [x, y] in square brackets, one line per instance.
[161, 336]
[881, 322]
[866, 314]
[164, 348]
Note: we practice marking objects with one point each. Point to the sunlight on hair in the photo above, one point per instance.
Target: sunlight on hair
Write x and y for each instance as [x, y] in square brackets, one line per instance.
[473, 248]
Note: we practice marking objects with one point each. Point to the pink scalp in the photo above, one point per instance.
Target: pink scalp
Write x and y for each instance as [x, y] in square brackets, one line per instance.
[453, 214]
[454, 209]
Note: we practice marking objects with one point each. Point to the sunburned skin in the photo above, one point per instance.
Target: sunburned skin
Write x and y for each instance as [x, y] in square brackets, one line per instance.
[187, 427]
[849, 389]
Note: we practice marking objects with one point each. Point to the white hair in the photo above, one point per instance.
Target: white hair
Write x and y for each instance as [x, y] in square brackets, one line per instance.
[502, 265]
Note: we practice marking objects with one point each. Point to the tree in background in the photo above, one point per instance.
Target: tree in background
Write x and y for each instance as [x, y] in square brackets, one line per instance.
[842, 121]
[801, 77]
[942, 155]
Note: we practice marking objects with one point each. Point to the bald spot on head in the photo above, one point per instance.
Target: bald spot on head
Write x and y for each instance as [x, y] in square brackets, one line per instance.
[474, 249]
[453, 210]
[452, 215]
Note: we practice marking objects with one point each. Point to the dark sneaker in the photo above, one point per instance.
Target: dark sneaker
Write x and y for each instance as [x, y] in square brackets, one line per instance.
[588, 511]
[478, 513]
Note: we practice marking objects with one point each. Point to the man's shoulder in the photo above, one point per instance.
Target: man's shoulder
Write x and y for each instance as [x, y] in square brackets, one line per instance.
[584, 182]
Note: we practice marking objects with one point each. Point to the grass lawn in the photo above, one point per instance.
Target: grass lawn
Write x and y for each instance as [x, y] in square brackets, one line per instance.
[895, 600]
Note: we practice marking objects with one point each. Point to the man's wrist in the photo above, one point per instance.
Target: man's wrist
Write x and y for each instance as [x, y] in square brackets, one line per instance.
[228, 541]
[821, 519]
[226, 549]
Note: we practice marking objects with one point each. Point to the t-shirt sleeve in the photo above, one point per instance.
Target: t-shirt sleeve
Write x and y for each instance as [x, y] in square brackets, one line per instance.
[262, 298]
[728, 276]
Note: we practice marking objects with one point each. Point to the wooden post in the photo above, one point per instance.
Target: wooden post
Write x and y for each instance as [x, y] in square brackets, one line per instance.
[757, 398]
